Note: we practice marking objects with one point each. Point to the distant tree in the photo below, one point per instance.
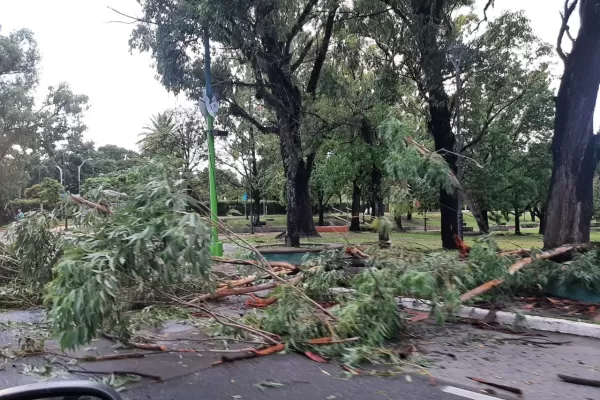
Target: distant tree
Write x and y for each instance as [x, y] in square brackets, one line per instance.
[177, 133]
[28, 127]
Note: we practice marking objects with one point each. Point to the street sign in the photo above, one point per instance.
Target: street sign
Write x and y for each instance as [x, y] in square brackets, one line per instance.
[245, 197]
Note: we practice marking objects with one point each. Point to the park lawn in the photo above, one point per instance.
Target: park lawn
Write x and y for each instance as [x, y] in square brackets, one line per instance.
[530, 239]
[433, 219]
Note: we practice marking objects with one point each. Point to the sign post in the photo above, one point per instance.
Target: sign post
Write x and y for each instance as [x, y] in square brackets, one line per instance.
[216, 246]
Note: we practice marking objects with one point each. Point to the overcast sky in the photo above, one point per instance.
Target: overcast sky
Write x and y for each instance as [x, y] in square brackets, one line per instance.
[81, 47]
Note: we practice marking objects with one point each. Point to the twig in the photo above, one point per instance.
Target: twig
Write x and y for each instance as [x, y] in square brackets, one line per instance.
[250, 289]
[497, 385]
[275, 276]
[141, 374]
[223, 320]
[579, 381]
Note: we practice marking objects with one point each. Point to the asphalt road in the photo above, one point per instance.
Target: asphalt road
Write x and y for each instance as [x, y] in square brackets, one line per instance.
[301, 379]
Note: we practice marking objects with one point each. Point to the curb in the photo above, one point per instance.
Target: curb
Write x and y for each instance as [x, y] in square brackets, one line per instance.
[508, 318]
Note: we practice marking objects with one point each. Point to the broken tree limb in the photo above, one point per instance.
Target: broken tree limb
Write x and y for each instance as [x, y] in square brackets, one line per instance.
[86, 202]
[498, 386]
[140, 374]
[514, 269]
[466, 196]
[272, 264]
[237, 282]
[579, 381]
[481, 289]
[250, 289]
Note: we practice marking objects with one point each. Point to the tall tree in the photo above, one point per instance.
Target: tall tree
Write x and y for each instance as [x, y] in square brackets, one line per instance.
[414, 36]
[178, 133]
[574, 148]
[28, 126]
[283, 44]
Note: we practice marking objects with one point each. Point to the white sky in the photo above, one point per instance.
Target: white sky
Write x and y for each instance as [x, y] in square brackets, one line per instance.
[79, 46]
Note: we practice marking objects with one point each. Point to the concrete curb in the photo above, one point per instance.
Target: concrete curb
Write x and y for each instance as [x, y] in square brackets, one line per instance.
[507, 318]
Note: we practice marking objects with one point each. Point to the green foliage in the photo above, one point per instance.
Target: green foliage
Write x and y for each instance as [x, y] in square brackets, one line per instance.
[37, 247]
[406, 163]
[152, 241]
[582, 272]
[177, 133]
[373, 312]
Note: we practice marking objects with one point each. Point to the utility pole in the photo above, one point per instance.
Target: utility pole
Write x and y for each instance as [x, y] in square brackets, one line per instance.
[455, 54]
[216, 247]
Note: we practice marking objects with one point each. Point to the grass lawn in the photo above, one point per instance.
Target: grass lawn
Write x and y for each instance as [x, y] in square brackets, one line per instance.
[507, 240]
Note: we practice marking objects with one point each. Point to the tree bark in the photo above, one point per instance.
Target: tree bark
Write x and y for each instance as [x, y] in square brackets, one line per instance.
[409, 216]
[355, 222]
[321, 210]
[485, 217]
[517, 222]
[570, 197]
[427, 29]
[541, 214]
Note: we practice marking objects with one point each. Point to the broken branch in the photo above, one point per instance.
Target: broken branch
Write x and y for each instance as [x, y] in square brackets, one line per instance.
[513, 269]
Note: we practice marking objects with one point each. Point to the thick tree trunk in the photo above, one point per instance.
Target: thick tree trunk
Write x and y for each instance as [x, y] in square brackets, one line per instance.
[570, 198]
[485, 217]
[355, 222]
[409, 216]
[440, 127]
[532, 215]
[517, 222]
[299, 211]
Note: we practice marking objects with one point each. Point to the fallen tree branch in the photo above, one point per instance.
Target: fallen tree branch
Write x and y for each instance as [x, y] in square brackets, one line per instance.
[250, 289]
[272, 264]
[579, 381]
[141, 374]
[85, 202]
[514, 269]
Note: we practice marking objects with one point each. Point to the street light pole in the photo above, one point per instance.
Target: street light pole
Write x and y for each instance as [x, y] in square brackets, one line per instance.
[61, 175]
[455, 54]
[79, 176]
[216, 247]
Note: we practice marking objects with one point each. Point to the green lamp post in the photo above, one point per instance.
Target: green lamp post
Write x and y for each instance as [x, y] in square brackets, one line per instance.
[216, 246]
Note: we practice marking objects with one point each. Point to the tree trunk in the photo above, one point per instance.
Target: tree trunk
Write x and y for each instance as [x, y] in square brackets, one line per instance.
[321, 211]
[378, 207]
[409, 216]
[299, 211]
[541, 214]
[485, 217]
[570, 198]
[532, 215]
[355, 222]
[431, 46]
[398, 221]
[255, 192]
[517, 222]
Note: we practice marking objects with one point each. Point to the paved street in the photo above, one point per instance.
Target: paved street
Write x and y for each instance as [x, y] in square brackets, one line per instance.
[302, 379]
